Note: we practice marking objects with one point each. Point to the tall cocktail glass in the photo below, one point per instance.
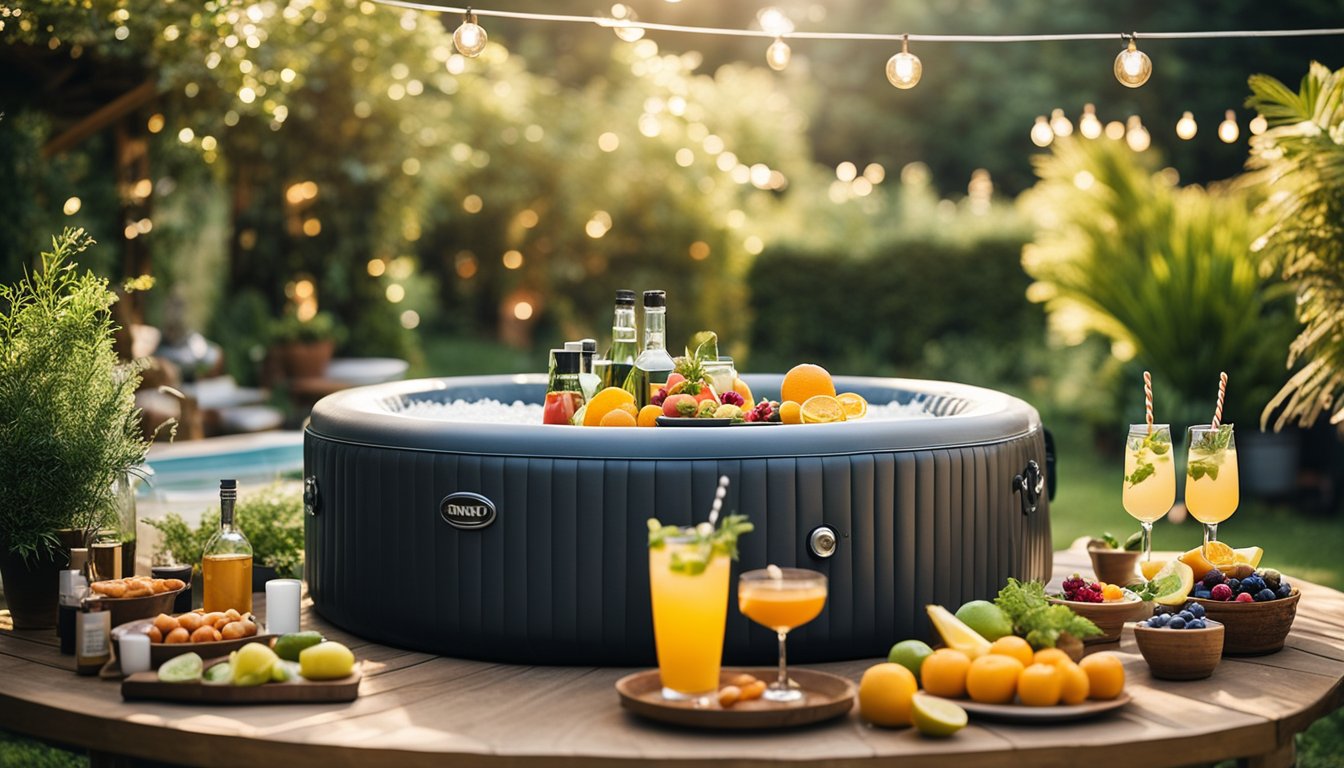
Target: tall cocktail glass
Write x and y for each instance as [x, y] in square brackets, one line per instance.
[1149, 488]
[690, 608]
[1212, 489]
[781, 599]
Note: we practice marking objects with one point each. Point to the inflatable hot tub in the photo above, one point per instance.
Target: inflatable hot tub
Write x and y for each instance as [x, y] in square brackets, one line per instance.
[527, 543]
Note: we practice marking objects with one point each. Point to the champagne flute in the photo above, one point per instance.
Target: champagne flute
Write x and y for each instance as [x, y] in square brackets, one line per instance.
[1149, 488]
[781, 599]
[1211, 481]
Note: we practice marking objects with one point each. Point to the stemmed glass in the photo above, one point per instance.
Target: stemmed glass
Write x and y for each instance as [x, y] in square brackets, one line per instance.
[1149, 488]
[1211, 480]
[781, 599]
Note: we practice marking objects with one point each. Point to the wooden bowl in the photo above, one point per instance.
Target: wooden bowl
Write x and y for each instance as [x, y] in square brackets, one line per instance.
[1115, 566]
[1181, 654]
[1110, 618]
[127, 609]
[1253, 629]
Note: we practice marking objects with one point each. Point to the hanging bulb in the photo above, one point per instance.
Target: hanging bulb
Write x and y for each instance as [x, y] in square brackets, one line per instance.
[904, 69]
[1259, 125]
[1228, 130]
[1132, 66]
[774, 21]
[778, 54]
[1136, 136]
[1186, 127]
[620, 20]
[1088, 124]
[469, 38]
[1041, 133]
[1060, 124]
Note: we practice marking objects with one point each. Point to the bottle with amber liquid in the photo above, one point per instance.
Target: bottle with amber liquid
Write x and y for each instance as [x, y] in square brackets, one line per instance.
[226, 564]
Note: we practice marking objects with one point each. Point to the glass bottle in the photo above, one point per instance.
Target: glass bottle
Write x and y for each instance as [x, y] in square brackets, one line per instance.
[565, 395]
[93, 637]
[226, 564]
[587, 377]
[654, 364]
[614, 367]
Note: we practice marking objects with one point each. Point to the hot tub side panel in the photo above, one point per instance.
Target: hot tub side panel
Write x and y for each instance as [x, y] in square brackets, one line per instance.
[561, 576]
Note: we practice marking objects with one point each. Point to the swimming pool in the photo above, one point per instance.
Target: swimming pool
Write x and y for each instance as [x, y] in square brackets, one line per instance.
[194, 469]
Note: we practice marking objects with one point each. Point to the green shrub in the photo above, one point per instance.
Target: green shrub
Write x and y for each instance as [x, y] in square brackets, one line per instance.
[272, 520]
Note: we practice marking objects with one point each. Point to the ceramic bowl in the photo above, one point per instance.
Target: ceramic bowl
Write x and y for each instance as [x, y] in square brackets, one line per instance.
[1253, 629]
[126, 609]
[1181, 654]
[1115, 566]
[1110, 618]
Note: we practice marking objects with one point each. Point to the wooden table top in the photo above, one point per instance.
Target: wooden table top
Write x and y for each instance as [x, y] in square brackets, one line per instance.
[417, 709]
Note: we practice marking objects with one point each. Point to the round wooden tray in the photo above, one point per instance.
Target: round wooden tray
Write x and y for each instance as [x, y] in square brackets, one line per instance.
[827, 696]
[1018, 713]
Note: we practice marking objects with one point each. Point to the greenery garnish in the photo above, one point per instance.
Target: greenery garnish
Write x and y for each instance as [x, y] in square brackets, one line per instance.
[1156, 443]
[1212, 446]
[705, 541]
[1132, 544]
[1036, 619]
[1147, 590]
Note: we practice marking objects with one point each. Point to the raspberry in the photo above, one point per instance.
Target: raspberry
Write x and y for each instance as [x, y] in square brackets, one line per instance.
[1245, 597]
[732, 398]
[659, 396]
[1221, 592]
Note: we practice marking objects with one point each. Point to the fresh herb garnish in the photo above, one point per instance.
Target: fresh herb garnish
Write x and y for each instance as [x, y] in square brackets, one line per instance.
[1156, 443]
[1150, 589]
[704, 542]
[1202, 468]
[1132, 544]
[1036, 619]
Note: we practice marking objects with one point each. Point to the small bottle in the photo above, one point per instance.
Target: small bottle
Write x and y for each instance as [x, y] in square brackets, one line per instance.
[614, 367]
[93, 637]
[587, 377]
[565, 397]
[226, 565]
[654, 364]
[74, 586]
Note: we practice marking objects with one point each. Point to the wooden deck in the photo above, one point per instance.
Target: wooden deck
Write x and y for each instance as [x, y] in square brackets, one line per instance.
[416, 709]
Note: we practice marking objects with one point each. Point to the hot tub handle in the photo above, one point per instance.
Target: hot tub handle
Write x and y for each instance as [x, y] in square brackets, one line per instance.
[823, 541]
[310, 496]
[1031, 484]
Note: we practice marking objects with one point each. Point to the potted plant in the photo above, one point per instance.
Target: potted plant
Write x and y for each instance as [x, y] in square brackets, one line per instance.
[305, 347]
[71, 429]
[272, 521]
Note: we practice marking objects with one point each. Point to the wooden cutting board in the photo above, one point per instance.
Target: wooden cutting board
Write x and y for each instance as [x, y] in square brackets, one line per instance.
[146, 685]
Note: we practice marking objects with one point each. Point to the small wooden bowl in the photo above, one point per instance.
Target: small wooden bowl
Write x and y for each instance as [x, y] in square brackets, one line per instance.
[1253, 629]
[1110, 618]
[1181, 654]
[1115, 566]
[127, 609]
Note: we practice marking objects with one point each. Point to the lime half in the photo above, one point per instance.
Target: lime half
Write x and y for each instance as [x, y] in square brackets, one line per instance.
[933, 716]
[181, 669]
[1173, 583]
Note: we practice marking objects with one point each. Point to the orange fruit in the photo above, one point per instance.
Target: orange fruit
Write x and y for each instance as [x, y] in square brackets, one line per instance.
[992, 679]
[1012, 645]
[617, 417]
[741, 388]
[1219, 554]
[630, 408]
[1052, 656]
[1039, 685]
[821, 409]
[944, 673]
[855, 406]
[790, 412]
[1075, 684]
[1149, 568]
[804, 381]
[603, 403]
[648, 415]
[885, 694]
[1111, 593]
[1105, 675]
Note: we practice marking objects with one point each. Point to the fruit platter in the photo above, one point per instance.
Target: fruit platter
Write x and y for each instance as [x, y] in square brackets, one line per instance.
[206, 634]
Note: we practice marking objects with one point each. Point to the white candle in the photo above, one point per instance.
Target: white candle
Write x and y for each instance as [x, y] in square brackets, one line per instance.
[282, 605]
[134, 650]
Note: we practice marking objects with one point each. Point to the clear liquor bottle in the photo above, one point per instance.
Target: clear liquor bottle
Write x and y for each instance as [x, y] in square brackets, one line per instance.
[614, 367]
[226, 563]
[654, 364]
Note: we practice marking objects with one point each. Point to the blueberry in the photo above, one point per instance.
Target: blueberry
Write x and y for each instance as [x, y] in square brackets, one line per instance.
[1284, 590]
[1213, 577]
[1252, 584]
[1234, 584]
[1160, 620]
[1154, 623]
[1197, 610]
[1188, 616]
[1177, 623]
[1264, 595]
[1203, 594]
[1196, 624]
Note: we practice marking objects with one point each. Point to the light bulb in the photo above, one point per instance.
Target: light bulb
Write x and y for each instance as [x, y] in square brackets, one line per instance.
[1041, 133]
[1228, 130]
[621, 20]
[1136, 136]
[904, 69]
[1060, 124]
[1186, 127]
[1259, 125]
[470, 37]
[1088, 124]
[774, 21]
[778, 55]
[1132, 66]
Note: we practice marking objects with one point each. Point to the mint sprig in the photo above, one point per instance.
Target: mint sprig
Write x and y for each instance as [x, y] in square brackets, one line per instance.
[705, 542]
[1156, 443]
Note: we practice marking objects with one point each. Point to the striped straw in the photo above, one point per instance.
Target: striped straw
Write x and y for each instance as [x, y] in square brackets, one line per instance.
[1222, 392]
[1148, 399]
[718, 500]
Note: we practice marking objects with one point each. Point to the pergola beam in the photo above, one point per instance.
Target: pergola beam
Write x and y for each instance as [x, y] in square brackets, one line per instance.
[101, 118]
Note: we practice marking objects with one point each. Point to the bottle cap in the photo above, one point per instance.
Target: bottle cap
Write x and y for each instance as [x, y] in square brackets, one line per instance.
[574, 346]
[589, 346]
[567, 361]
[228, 485]
[655, 299]
[625, 298]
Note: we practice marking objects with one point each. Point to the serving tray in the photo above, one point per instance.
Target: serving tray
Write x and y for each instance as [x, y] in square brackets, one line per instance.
[827, 696]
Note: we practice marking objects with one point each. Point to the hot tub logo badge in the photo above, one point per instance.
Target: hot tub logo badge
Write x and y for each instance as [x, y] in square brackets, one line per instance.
[466, 510]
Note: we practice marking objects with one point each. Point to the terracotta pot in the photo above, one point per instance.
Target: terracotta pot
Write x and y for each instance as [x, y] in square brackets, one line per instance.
[306, 360]
[32, 587]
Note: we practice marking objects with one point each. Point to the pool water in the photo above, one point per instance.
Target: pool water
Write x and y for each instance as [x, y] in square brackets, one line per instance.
[197, 468]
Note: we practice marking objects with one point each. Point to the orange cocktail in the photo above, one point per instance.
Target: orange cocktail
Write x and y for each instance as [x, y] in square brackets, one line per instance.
[781, 599]
[690, 608]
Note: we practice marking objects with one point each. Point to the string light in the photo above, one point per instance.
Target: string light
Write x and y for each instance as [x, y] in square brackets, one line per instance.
[1136, 136]
[1228, 130]
[470, 37]
[1088, 124]
[1060, 124]
[1132, 66]
[1041, 133]
[1259, 125]
[778, 54]
[622, 21]
[1186, 127]
[904, 69]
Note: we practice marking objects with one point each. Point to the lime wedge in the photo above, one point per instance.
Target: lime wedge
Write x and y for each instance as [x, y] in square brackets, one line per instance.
[933, 716]
[289, 646]
[219, 674]
[181, 669]
[1173, 583]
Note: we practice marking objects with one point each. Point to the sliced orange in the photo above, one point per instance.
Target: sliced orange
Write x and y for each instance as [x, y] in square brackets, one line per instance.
[603, 403]
[1219, 554]
[855, 406]
[790, 412]
[1149, 568]
[821, 409]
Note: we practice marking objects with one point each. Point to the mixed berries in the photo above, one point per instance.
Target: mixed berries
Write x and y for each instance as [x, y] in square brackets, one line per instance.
[766, 410]
[1078, 589]
[1263, 585]
[1189, 616]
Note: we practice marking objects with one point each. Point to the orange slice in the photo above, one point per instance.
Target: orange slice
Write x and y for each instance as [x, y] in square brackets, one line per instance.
[821, 409]
[855, 406]
[1219, 554]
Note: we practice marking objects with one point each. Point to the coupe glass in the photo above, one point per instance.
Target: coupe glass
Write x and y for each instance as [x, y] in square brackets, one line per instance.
[781, 599]
[1149, 487]
[1211, 482]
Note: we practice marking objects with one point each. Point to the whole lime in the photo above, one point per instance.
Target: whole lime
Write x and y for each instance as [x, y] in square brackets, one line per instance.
[987, 619]
[910, 654]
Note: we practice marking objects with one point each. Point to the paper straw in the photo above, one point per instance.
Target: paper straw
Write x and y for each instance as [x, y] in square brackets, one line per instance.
[1148, 399]
[718, 500]
[1222, 392]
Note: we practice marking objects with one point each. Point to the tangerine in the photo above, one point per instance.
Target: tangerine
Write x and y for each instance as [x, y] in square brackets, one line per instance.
[944, 673]
[604, 402]
[790, 412]
[1039, 685]
[1076, 684]
[1105, 675]
[617, 417]
[630, 408]
[1052, 656]
[804, 381]
[821, 409]
[992, 678]
[1012, 645]
[648, 415]
[885, 694]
